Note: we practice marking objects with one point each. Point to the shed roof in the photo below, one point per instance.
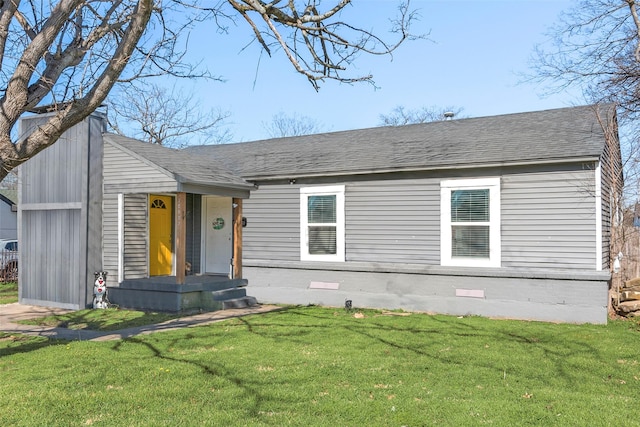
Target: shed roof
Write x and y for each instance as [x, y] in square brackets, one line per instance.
[185, 167]
[534, 137]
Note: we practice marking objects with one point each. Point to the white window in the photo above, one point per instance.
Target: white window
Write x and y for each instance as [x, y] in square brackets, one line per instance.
[322, 223]
[470, 222]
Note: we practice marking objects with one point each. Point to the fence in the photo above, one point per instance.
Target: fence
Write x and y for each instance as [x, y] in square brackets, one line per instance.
[8, 266]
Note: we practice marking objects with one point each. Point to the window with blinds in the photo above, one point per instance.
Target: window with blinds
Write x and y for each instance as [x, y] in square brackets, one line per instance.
[322, 223]
[321, 213]
[470, 222]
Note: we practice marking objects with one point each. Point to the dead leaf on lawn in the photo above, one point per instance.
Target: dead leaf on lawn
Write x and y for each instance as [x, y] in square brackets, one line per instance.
[359, 315]
[527, 395]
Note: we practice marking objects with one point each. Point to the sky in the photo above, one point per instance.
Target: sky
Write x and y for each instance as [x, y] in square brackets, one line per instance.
[474, 58]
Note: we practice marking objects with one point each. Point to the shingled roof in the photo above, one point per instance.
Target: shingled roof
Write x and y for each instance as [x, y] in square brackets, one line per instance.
[535, 137]
[184, 166]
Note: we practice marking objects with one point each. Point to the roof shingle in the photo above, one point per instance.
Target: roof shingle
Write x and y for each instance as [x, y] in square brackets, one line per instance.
[540, 136]
[185, 166]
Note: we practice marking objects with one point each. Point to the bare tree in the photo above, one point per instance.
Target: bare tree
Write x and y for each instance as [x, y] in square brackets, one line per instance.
[69, 54]
[164, 116]
[595, 48]
[282, 125]
[400, 116]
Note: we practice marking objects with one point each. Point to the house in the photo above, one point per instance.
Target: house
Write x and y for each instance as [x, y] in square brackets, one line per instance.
[506, 216]
[8, 214]
[165, 224]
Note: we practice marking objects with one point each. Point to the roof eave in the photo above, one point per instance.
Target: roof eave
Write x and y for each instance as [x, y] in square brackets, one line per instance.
[424, 168]
[234, 186]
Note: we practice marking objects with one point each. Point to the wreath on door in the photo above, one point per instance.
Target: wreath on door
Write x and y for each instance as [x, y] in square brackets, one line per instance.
[218, 224]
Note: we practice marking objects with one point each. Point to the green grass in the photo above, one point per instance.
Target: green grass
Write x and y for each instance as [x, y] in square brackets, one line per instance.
[101, 320]
[311, 366]
[8, 292]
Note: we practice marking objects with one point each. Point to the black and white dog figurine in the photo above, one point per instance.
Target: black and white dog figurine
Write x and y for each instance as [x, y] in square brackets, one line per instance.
[100, 290]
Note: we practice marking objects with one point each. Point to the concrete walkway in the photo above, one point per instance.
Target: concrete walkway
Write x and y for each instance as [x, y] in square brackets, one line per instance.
[10, 314]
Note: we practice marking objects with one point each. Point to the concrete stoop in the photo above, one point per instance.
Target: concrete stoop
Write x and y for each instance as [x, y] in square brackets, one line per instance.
[204, 293]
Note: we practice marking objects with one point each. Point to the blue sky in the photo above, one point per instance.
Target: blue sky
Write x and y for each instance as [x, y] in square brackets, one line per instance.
[475, 52]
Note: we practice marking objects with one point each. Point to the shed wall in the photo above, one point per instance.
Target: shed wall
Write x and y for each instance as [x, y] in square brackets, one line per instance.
[60, 226]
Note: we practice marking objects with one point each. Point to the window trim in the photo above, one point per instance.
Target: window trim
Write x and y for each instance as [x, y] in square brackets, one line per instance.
[305, 192]
[495, 243]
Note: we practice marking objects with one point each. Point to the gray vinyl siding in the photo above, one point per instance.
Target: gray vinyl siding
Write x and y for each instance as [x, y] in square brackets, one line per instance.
[393, 221]
[273, 223]
[124, 173]
[548, 220]
[110, 237]
[385, 221]
[135, 236]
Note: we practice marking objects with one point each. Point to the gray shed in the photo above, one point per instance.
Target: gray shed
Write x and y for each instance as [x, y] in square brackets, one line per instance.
[504, 216]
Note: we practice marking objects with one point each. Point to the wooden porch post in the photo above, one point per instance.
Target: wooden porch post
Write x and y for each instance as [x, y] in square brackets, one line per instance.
[237, 238]
[181, 236]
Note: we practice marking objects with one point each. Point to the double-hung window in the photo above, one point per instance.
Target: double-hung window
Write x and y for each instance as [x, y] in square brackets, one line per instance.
[322, 223]
[470, 222]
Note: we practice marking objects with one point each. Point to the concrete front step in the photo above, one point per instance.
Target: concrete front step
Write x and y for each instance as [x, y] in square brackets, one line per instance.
[244, 302]
[164, 295]
[226, 294]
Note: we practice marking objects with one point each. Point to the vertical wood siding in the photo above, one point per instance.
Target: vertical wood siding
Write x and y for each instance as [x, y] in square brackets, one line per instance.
[55, 174]
[135, 236]
[60, 214]
[51, 263]
[548, 220]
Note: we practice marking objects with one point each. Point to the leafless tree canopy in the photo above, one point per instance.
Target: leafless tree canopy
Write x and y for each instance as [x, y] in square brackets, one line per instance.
[165, 116]
[596, 47]
[69, 54]
[282, 125]
[400, 115]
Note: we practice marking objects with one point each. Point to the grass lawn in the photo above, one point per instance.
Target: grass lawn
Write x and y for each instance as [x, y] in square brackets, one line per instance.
[8, 292]
[311, 366]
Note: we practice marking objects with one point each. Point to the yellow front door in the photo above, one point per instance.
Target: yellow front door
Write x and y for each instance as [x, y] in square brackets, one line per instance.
[160, 235]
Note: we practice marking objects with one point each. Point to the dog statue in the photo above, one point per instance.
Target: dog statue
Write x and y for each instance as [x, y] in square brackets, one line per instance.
[100, 290]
